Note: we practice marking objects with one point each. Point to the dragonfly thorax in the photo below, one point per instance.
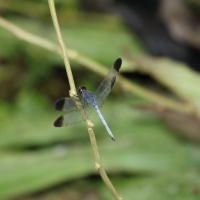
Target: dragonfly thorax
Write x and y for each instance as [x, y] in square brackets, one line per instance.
[88, 96]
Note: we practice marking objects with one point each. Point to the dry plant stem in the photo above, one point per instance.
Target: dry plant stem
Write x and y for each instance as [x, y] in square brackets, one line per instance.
[98, 164]
[34, 39]
[98, 68]
[127, 85]
[63, 47]
[28, 37]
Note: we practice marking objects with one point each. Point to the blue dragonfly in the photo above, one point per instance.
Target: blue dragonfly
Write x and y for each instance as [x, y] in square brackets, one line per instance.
[87, 100]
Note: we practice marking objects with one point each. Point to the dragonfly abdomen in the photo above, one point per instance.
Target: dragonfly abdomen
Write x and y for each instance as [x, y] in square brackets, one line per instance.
[104, 122]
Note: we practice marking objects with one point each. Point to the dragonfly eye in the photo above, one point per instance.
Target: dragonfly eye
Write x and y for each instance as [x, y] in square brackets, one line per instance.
[81, 89]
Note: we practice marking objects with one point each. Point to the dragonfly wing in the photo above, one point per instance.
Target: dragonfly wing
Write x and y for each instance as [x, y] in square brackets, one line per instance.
[68, 104]
[73, 117]
[106, 85]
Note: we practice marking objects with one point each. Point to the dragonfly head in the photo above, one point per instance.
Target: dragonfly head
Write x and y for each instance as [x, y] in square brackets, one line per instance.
[81, 89]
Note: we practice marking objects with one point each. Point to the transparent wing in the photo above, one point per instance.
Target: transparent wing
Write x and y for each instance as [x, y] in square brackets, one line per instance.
[68, 104]
[106, 85]
[72, 117]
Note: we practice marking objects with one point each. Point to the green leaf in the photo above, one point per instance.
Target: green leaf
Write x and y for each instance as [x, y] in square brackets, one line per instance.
[143, 145]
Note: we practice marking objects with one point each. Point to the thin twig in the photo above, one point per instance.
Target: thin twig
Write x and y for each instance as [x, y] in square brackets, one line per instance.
[92, 65]
[63, 48]
[98, 164]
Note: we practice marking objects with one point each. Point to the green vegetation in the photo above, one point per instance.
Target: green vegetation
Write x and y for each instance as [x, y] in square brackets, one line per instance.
[151, 159]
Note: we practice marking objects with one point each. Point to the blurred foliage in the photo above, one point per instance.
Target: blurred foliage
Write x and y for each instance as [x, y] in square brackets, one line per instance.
[147, 161]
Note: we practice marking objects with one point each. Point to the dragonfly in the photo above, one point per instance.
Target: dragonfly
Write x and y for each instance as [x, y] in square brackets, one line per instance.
[87, 100]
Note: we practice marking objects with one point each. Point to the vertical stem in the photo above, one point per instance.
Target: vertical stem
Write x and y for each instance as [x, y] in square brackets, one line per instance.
[63, 47]
[98, 164]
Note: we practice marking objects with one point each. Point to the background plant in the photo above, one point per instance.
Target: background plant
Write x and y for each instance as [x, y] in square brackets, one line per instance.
[149, 161]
